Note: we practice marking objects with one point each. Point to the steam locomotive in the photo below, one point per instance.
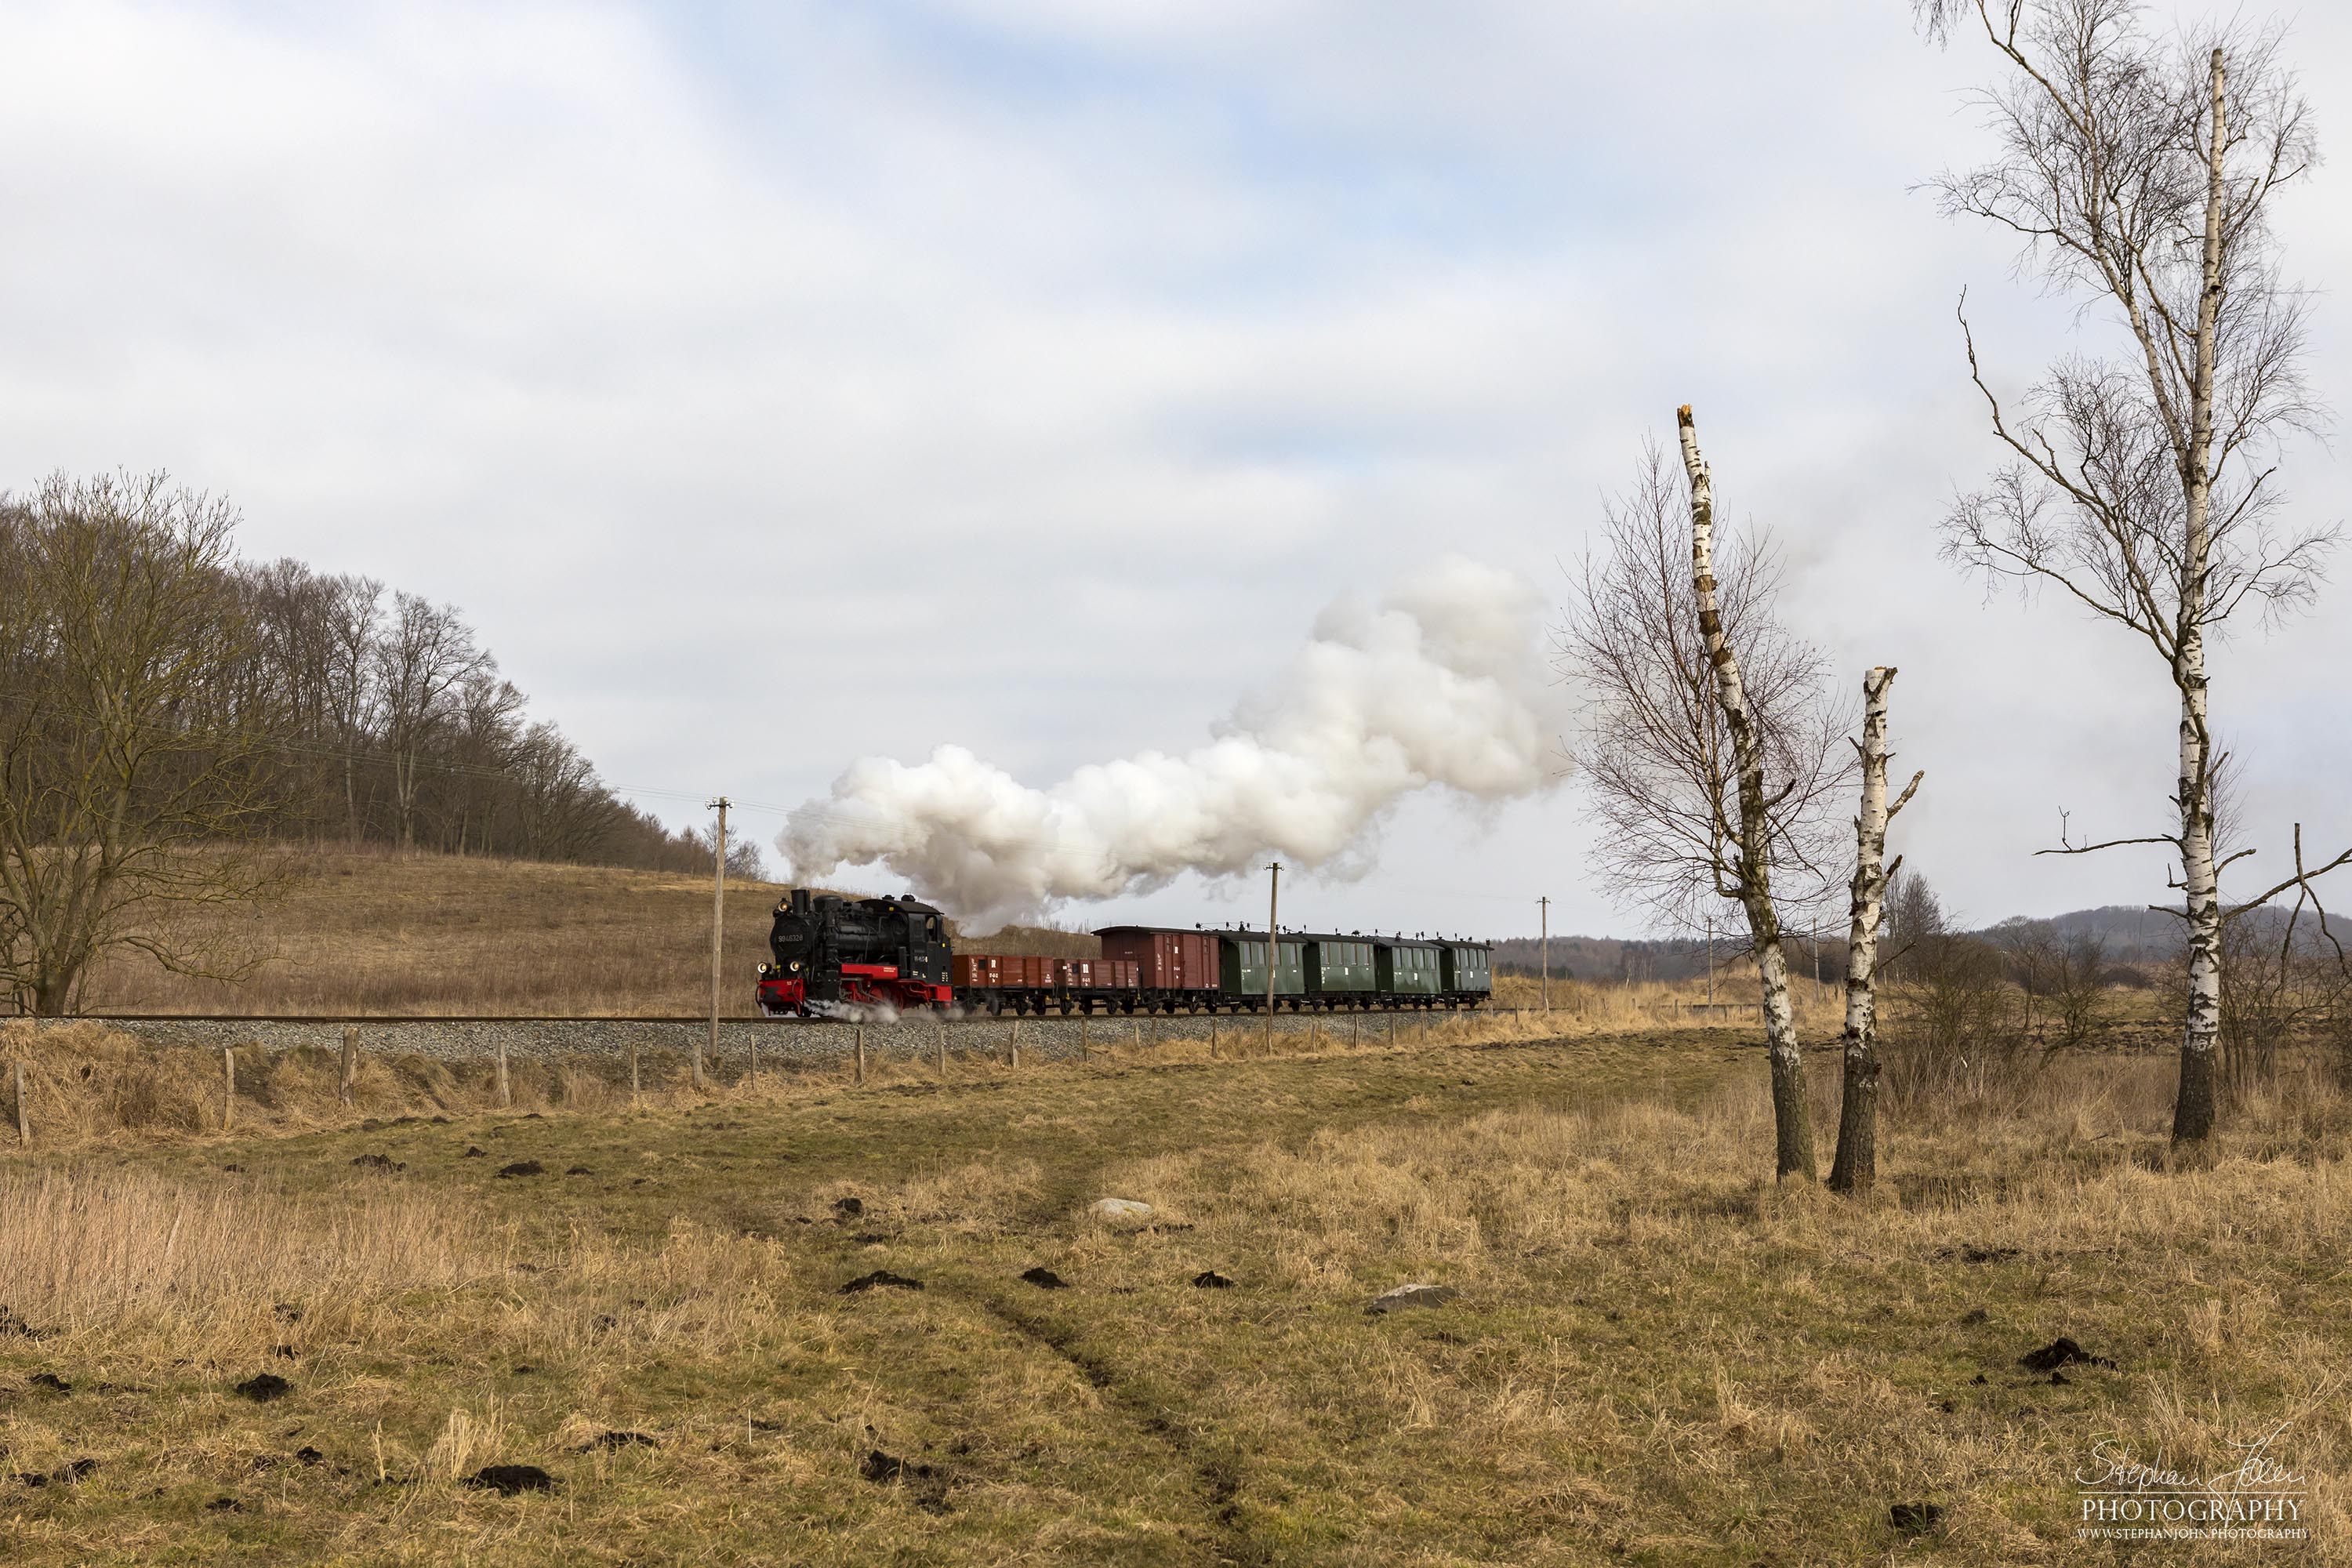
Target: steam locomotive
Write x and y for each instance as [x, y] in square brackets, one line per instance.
[836, 957]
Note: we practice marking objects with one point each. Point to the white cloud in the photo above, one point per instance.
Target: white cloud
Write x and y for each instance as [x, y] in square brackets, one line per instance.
[789, 384]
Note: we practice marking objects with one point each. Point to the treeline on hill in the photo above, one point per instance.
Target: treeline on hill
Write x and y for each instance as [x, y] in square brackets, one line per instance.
[172, 716]
[370, 714]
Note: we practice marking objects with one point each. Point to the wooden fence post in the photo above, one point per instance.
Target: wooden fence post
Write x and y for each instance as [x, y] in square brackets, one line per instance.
[1085, 1054]
[755, 1057]
[229, 1087]
[939, 1027]
[1138, 1035]
[633, 1084]
[24, 1116]
[506, 1085]
[347, 1081]
[1012, 1044]
[861, 1052]
[1213, 1036]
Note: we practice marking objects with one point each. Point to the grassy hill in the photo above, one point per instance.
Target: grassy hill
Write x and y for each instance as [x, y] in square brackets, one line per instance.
[374, 931]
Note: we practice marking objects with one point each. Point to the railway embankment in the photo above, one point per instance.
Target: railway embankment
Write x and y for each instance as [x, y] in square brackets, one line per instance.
[780, 1042]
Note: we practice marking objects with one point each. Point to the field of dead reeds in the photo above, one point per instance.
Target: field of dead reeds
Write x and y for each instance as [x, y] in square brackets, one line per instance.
[1652, 1355]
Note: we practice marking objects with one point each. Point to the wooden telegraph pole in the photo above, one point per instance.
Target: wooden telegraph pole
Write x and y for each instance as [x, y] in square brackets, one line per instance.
[1272, 943]
[1544, 905]
[718, 930]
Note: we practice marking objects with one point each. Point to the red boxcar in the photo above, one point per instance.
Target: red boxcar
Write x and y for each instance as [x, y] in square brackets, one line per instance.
[1165, 959]
[977, 970]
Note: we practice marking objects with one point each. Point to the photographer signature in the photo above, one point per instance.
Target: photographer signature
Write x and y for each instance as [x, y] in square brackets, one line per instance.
[2113, 1466]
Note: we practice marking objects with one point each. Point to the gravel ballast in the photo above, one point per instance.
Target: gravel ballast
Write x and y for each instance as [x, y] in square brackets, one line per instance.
[782, 1042]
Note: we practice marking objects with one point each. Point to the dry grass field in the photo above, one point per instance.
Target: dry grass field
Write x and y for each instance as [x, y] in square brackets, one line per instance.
[372, 932]
[1653, 1356]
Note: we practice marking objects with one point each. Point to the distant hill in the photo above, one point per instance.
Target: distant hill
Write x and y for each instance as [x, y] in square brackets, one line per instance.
[1606, 958]
[2134, 935]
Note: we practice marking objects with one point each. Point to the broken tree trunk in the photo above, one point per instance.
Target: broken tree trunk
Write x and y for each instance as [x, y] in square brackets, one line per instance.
[1752, 871]
[1855, 1169]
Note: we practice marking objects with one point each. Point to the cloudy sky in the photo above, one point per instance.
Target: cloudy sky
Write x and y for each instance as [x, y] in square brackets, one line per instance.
[776, 385]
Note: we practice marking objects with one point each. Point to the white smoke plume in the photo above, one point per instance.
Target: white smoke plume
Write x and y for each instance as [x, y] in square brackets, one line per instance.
[1442, 684]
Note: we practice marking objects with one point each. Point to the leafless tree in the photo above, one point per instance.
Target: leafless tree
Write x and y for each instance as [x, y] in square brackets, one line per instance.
[354, 701]
[134, 768]
[2139, 172]
[2064, 970]
[421, 661]
[1855, 1171]
[1698, 807]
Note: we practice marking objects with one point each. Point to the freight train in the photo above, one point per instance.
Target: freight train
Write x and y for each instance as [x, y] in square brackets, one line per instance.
[833, 957]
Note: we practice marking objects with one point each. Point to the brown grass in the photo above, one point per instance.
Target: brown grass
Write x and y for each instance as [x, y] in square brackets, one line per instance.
[376, 931]
[1656, 1354]
[87, 1247]
[85, 1083]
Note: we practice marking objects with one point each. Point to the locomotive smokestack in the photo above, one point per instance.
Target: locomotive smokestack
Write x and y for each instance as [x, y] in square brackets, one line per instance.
[800, 901]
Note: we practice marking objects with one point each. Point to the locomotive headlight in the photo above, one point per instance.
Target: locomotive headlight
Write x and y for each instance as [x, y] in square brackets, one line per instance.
[796, 967]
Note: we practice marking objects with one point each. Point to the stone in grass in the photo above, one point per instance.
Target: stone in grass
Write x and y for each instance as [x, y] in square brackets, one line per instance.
[881, 1279]
[848, 1208]
[509, 1480]
[580, 1171]
[1210, 1279]
[474, 1152]
[1405, 1296]
[378, 1162]
[263, 1387]
[1120, 1211]
[49, 1382]
[523, 1168]
[1044, 1278]
[1916, 1517]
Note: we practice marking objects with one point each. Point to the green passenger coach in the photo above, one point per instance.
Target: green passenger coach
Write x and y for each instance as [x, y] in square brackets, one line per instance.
[1465, 969]
[1407, 968]
[1340, 967]
[1243, 959]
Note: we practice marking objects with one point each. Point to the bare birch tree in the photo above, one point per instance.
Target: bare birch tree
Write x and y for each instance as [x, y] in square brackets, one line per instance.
[1657, 748]
[1750, 861]
[1855, 1169]
[2141, 173]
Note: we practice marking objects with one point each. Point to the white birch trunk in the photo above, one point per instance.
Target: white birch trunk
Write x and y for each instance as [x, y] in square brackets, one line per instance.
[1752, 873]
[2193, 1110]
[1856, 1168]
